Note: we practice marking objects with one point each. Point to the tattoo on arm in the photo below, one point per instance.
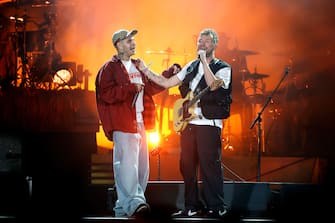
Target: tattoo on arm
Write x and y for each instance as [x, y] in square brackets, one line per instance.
[155, 78]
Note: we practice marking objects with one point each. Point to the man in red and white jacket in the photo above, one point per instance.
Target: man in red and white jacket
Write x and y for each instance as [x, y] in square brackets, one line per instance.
[126, 109]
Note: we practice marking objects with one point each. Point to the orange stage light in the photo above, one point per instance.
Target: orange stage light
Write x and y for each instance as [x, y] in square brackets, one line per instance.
[153, 139]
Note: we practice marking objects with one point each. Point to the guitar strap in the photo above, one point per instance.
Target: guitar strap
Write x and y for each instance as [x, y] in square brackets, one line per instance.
[198, 88]
[192, 70]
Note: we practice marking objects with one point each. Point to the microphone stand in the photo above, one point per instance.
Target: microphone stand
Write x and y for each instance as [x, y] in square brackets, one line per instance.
[258, 119]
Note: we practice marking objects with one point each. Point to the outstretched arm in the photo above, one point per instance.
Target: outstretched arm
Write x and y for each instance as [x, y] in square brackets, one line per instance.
[159, 79]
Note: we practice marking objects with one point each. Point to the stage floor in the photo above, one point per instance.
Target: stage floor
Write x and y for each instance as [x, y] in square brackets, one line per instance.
[246, 201]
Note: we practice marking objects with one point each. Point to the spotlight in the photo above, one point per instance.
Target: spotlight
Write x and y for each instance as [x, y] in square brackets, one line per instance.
[153, 138]
[63, 76]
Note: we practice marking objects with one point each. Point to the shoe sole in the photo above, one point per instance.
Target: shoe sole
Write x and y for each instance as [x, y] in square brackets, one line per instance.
[194, 219]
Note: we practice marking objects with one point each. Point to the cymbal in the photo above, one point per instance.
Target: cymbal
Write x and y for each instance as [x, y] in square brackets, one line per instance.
[255, 76]
[244, 52]
[164, 52]
[168, 51]
[244, 70]
[247, 52]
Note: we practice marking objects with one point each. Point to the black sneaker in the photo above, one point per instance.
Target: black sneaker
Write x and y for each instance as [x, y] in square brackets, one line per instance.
[143, 210]
[217, 213]
[186, 213]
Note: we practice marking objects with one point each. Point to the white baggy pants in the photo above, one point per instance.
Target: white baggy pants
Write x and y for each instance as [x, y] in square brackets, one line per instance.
[131, 170]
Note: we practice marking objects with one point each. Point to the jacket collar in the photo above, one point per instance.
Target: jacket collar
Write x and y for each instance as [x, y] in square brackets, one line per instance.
[116, 58]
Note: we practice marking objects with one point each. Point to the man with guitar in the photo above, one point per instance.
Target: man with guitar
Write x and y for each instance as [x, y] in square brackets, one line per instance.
[205, 87]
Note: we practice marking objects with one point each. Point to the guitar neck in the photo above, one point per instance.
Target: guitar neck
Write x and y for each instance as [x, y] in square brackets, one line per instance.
[198, 96]
[216, 83]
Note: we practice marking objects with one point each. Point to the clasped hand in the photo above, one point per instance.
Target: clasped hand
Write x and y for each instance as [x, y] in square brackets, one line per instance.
[202, 55]
[139, 87]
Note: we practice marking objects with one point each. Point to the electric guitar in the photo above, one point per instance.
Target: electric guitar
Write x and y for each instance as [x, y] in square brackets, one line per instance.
[183, 109]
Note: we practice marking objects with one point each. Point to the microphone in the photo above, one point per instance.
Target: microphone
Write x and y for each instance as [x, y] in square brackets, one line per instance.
[135, 99]
[136, 95]
[287, 69]
[198, 54]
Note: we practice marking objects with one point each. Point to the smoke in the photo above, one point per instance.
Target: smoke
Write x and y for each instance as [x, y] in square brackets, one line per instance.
[281, 32]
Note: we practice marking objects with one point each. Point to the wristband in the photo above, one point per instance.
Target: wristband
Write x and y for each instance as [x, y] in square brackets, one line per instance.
[145, 70]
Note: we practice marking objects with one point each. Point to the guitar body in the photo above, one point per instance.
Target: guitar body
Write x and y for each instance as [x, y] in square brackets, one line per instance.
[183, 109]
[182, 112]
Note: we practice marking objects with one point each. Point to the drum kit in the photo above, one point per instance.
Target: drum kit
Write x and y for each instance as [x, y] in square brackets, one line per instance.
[28, 32]
[248, 94]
